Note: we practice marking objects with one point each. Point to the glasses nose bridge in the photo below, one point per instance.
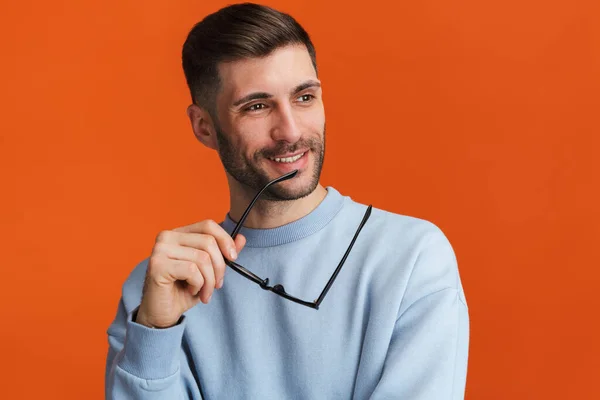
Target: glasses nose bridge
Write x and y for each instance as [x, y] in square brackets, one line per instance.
[265, 284]
[279, 289]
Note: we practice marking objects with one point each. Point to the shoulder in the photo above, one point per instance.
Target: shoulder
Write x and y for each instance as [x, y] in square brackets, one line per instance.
[404, 232]
[414, 252]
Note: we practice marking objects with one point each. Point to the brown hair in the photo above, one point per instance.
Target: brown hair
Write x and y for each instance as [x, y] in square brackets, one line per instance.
[235, 32]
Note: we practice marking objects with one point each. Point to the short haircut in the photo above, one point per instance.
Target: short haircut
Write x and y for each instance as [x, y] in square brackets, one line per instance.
[233, 33]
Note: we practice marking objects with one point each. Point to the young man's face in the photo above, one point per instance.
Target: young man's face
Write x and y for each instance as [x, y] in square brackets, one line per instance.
[271, 108]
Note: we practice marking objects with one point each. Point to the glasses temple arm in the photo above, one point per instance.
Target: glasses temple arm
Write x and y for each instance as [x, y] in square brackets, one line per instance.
[339, 267]
[243, 218]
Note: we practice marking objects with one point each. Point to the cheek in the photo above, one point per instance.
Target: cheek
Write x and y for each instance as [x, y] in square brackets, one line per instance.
[249, 150]
[314, 120]
[252, 137]
[237, 138]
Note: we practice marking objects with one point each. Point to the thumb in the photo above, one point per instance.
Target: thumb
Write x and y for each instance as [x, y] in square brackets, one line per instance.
[240, 242]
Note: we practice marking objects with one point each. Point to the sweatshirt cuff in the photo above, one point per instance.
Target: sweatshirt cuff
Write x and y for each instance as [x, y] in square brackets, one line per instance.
[152, 353]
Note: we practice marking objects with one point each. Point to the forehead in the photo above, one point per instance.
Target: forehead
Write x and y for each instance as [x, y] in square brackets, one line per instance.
[281, 70]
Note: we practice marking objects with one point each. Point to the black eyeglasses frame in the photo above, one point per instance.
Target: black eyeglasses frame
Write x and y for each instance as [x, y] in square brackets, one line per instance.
[279, 289]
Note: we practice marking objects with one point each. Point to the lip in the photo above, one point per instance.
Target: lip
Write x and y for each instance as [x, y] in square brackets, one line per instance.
[290, 154]
[300, 164]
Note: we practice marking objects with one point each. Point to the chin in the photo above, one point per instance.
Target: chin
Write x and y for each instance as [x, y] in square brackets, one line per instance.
[291, 190]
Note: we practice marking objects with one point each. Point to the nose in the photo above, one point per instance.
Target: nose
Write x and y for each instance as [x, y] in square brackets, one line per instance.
[285, 126]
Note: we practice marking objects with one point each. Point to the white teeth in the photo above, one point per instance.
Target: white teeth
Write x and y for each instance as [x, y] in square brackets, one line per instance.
[288, 159]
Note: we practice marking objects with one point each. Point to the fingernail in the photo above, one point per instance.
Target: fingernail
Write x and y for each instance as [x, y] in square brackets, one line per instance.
[220, 284]
[233, 254]
[209, 297]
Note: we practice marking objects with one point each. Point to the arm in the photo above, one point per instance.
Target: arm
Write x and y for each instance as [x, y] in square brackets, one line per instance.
[146, 359]
[428, 351]
[146, 363]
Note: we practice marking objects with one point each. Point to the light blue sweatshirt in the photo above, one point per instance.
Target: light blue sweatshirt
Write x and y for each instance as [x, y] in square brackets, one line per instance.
[394, 325]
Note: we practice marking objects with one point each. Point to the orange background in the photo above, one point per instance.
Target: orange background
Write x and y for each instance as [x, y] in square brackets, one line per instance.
[481, 116]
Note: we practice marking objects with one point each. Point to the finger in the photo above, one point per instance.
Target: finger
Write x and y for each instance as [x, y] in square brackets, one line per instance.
[208, 273]
[211, 246]
[210, 227]
[187, 271]
[200, 257]
[203, 242]
[240, 242]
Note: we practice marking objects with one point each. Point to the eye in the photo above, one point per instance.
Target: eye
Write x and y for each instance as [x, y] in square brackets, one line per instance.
[256, 107]
[306, 98]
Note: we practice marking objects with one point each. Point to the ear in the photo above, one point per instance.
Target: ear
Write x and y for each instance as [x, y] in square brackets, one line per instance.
[202, 125]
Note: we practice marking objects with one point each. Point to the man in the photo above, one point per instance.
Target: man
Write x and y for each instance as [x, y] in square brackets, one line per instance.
[392, 323]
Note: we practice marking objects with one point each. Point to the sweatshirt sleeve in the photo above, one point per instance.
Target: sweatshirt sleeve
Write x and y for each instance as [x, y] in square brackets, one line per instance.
[145, 363]
[428, 351]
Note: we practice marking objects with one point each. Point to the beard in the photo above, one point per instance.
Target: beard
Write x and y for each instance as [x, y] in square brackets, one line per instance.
[248, 173]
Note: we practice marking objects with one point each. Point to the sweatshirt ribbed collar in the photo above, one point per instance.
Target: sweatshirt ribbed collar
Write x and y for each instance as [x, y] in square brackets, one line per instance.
[296, 230]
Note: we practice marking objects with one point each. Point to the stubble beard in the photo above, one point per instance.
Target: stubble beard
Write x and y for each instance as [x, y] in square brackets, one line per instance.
[251, 176]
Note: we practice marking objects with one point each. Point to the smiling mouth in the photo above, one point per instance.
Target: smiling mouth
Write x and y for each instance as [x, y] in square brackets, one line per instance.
[290, 159]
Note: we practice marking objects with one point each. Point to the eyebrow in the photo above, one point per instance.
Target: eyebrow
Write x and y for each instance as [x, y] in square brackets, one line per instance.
[306, 85]
[252, 96]
[265, 95]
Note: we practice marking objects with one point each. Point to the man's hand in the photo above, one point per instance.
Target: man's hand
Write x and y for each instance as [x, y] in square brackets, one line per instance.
[185, 267]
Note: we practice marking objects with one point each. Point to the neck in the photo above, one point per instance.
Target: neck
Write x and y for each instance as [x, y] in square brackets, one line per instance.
[268, 214]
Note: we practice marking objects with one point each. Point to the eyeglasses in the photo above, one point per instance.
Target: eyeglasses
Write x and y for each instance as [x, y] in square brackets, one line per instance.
[278, 289]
